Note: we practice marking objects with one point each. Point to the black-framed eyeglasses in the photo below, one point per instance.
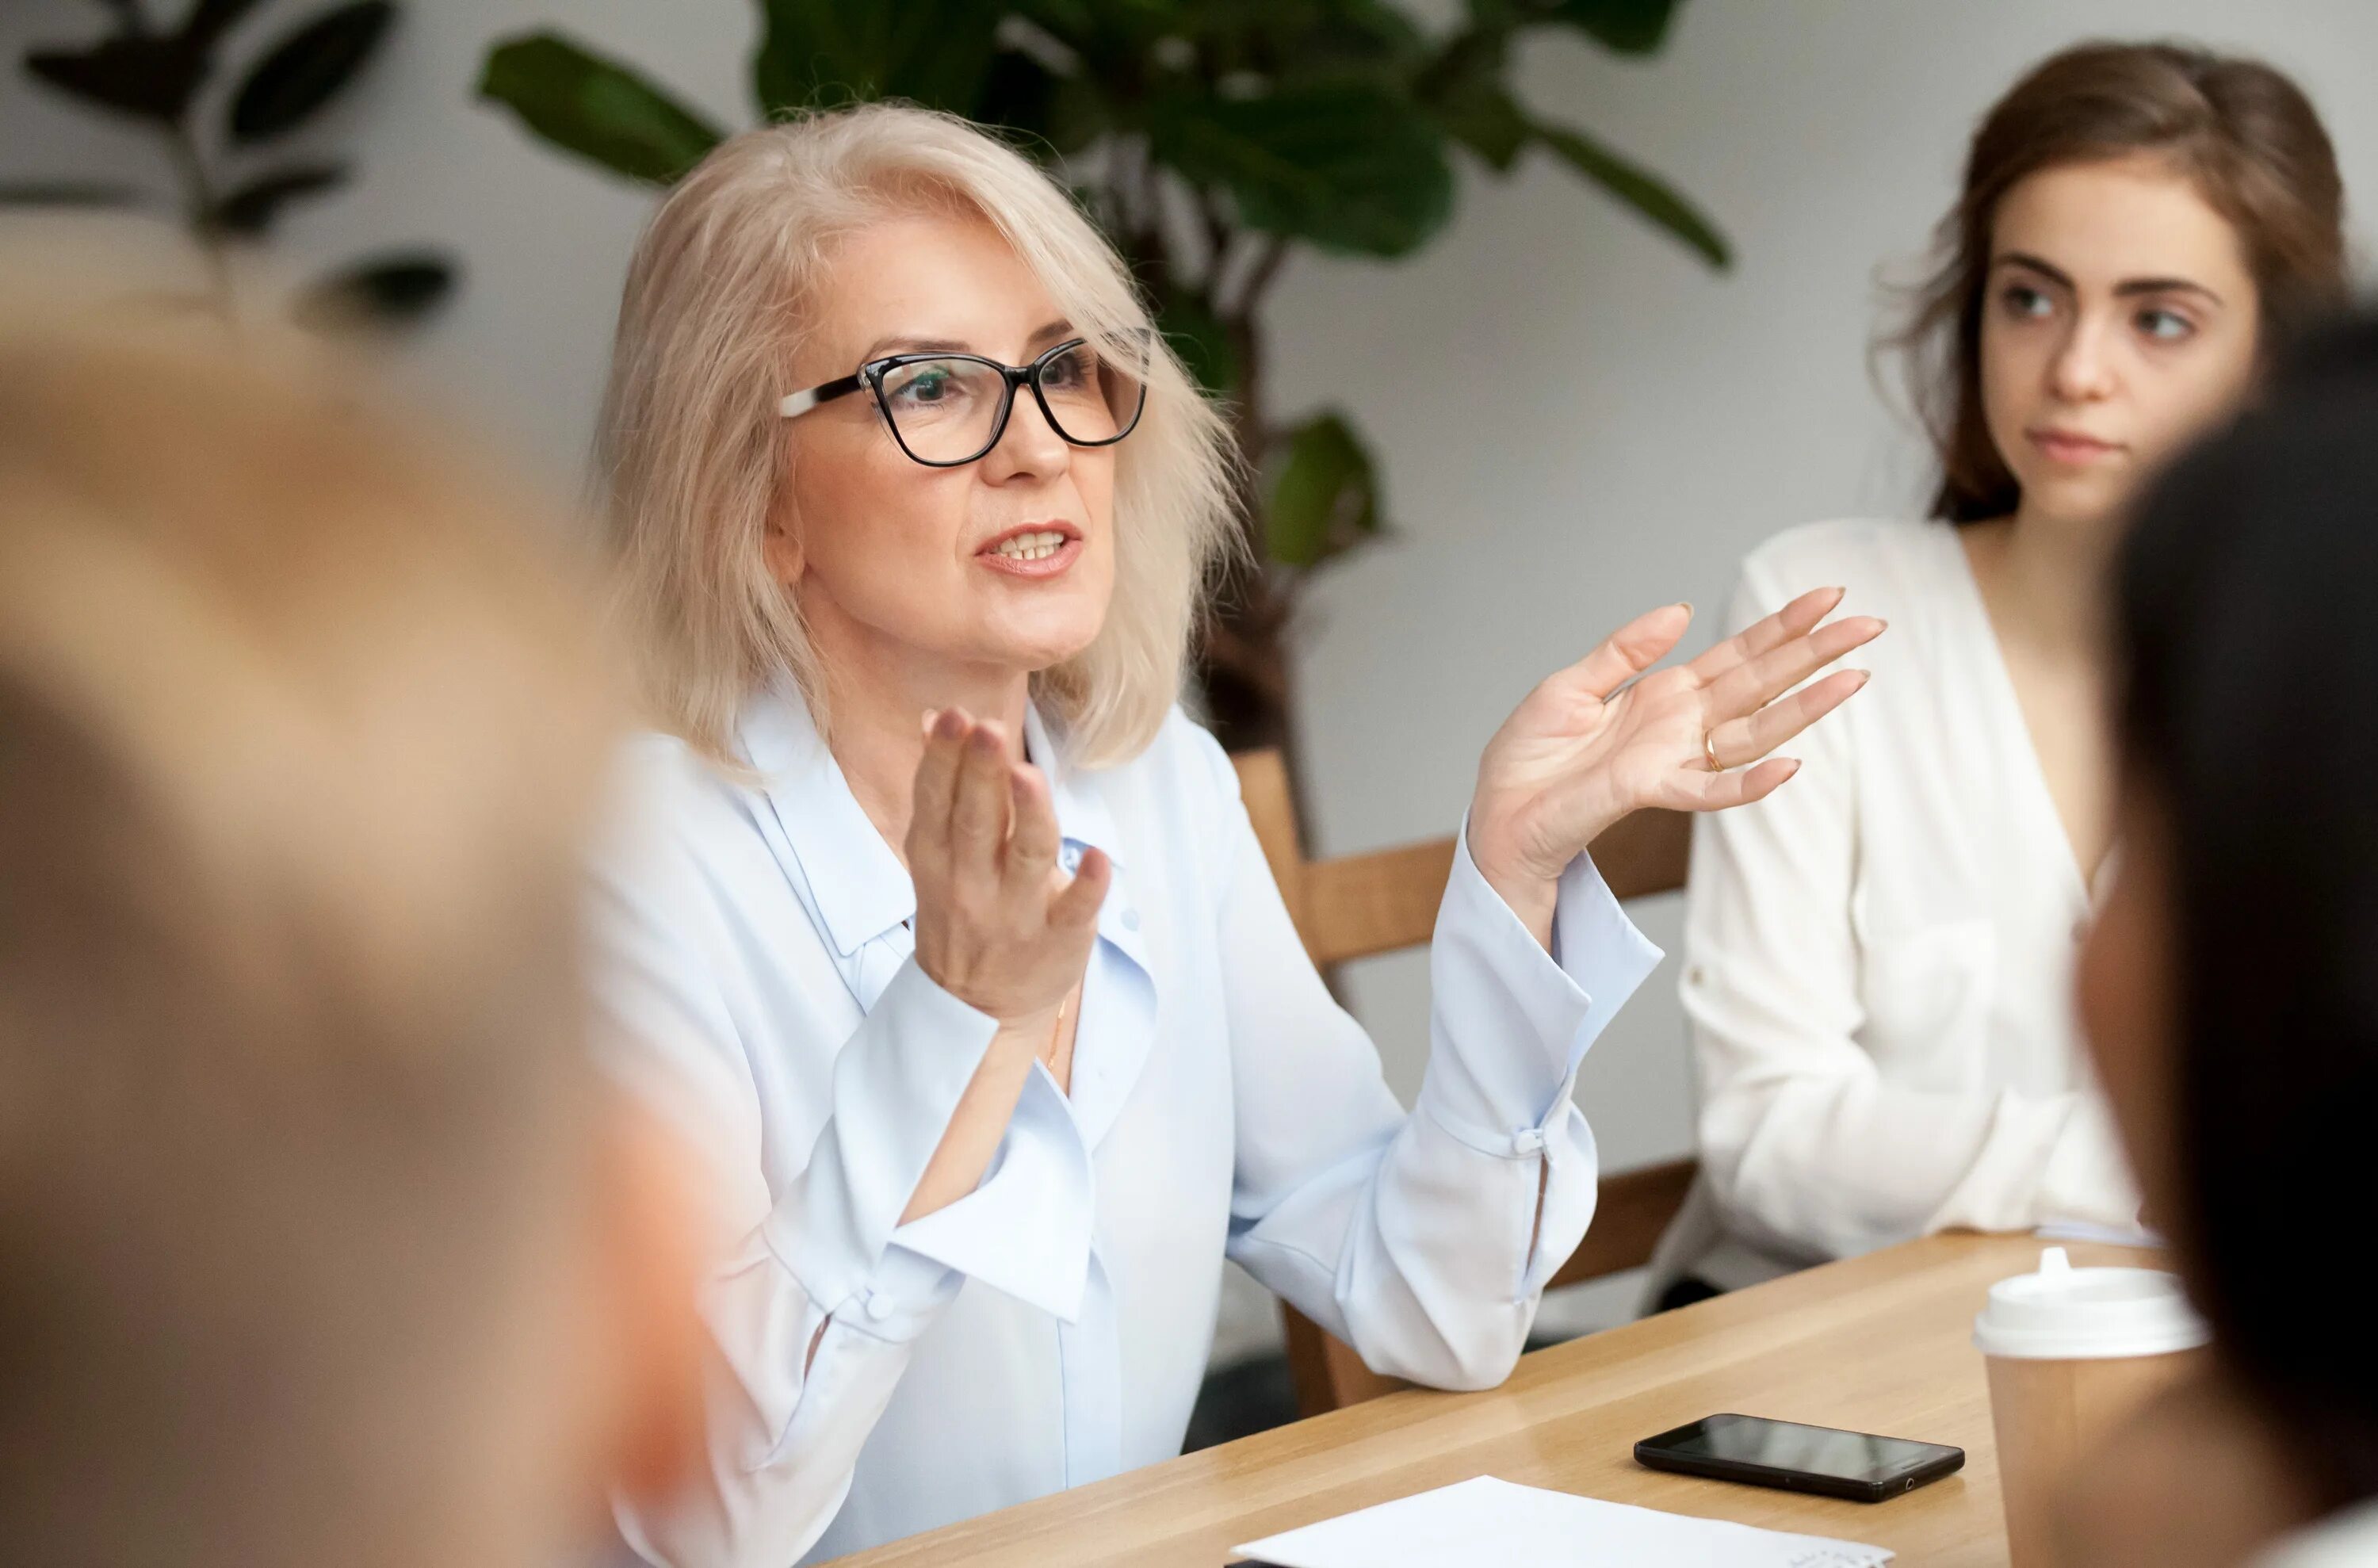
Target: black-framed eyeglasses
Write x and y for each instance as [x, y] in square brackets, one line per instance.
[946, 410]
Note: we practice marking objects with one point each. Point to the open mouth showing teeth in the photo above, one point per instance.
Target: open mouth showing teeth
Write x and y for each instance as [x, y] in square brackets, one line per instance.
[1031, 547]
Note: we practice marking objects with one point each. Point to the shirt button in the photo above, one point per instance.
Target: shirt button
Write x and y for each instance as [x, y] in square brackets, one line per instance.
[1529, 1140]
[1130, 920]
[879, 1306]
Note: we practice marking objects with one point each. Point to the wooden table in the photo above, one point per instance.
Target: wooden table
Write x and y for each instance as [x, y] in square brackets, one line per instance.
[1879, 1343]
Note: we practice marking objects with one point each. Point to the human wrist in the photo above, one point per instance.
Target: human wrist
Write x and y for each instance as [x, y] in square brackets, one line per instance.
[1530, 892]
[1033, 1026]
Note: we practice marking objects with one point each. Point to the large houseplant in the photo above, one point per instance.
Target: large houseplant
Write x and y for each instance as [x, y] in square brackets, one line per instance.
[1209, 138]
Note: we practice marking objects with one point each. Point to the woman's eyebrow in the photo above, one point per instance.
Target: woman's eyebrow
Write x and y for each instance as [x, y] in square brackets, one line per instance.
[2127, 288]
[2029, 262]
[898, 343]
[901, 344]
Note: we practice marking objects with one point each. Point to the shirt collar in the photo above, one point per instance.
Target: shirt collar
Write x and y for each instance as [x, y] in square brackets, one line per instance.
[1084, 819]
[860, 888]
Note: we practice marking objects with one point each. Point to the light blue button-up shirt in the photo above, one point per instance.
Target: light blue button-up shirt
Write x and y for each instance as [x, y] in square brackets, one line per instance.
[1052, 1327]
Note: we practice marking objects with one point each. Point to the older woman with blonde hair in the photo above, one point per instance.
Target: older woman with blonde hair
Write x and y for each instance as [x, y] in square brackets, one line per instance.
[946, 929]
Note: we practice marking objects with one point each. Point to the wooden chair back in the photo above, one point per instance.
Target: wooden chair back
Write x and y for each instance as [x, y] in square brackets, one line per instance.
[1357, 906]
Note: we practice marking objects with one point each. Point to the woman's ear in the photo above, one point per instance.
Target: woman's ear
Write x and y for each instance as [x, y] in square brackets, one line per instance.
[653, 1228]
[782, 549]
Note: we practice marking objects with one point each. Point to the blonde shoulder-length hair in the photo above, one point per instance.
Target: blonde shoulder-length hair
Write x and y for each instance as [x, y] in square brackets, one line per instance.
[693, 455]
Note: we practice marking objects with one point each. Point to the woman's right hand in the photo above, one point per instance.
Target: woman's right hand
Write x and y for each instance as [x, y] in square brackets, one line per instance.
[999, 926]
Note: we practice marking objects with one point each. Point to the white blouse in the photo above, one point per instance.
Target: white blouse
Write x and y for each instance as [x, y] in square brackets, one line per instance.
[1051, 1328]
[1879, 956]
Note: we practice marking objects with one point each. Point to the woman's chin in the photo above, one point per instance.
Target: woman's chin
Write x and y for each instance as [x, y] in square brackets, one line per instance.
[1025, 654]
[1047, 644]
[2077, 501]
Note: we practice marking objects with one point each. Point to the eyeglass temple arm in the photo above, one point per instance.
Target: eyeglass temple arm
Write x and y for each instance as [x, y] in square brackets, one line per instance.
[800, 403]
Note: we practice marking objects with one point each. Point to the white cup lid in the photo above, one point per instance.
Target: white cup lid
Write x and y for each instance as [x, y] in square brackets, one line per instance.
[2064, 1313]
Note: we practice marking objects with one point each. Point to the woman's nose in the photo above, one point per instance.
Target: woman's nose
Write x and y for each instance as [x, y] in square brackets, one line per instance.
[2081, 371]
[1029, 447]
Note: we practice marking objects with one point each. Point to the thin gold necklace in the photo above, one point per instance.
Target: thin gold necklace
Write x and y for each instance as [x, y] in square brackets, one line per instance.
[1057, 1032]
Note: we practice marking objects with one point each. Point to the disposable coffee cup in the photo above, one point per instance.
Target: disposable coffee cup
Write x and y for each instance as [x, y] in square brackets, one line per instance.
[2071, 1353]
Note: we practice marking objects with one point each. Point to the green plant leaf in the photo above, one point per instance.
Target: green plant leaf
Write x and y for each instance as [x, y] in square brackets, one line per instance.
[1347, 166]
[1308, 39]
[1057, 114]
[1464, 91]
[600, 110]
[147, 77]
[251, 209]
[209, 19]
[65, 193]
[1640, 189]
[307, 68]
[1630, 26]
[1326, 499]
[1199, 336]
[937, 52]
[396, 288]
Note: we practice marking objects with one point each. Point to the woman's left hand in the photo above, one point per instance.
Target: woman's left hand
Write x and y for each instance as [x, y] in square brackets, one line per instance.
[1592, 742]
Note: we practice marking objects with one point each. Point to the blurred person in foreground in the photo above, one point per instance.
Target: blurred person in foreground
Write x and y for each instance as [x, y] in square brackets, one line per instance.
[1879, 961]
[2229, 988]
[320, 1242]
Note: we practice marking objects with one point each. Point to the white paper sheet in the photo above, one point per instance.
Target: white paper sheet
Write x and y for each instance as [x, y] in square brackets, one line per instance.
[1486, 1523]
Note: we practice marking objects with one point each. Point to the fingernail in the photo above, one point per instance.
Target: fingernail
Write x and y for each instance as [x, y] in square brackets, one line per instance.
[1793, 768]
[985, 737]
[950, 723]
[1862, 677]
[930, 715]
[1684, 605]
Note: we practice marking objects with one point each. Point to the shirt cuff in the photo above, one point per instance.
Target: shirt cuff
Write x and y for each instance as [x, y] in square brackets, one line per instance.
[896, 1083]
[1025, 1230]
[1513, 1021]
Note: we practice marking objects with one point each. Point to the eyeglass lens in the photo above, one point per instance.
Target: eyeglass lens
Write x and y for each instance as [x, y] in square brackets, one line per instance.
[946, 410]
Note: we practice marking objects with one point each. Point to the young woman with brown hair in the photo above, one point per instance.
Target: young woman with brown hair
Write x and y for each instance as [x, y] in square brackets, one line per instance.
[1879, 958]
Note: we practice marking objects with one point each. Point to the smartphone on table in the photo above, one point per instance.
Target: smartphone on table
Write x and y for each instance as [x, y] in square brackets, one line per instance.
[1822, 1460]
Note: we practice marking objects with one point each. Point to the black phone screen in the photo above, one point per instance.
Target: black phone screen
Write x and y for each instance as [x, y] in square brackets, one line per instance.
[1788, 1445]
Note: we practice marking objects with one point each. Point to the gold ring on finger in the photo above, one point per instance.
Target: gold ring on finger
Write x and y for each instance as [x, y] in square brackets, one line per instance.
[1709, 751]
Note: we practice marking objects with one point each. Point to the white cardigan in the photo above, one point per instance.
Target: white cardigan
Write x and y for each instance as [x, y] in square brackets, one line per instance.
[1878, 958]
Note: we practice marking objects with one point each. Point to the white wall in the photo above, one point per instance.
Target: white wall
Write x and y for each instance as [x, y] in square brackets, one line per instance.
[1578, 420]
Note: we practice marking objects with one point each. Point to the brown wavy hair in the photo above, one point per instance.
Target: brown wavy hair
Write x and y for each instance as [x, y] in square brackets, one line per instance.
[2242, 131]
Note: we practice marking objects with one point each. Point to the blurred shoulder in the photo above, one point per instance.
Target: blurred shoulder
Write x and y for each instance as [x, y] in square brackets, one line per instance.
[1891, 566]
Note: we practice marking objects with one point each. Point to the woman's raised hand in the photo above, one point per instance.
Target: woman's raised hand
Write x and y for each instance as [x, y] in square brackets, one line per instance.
[1592, 743]
[999, 926]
